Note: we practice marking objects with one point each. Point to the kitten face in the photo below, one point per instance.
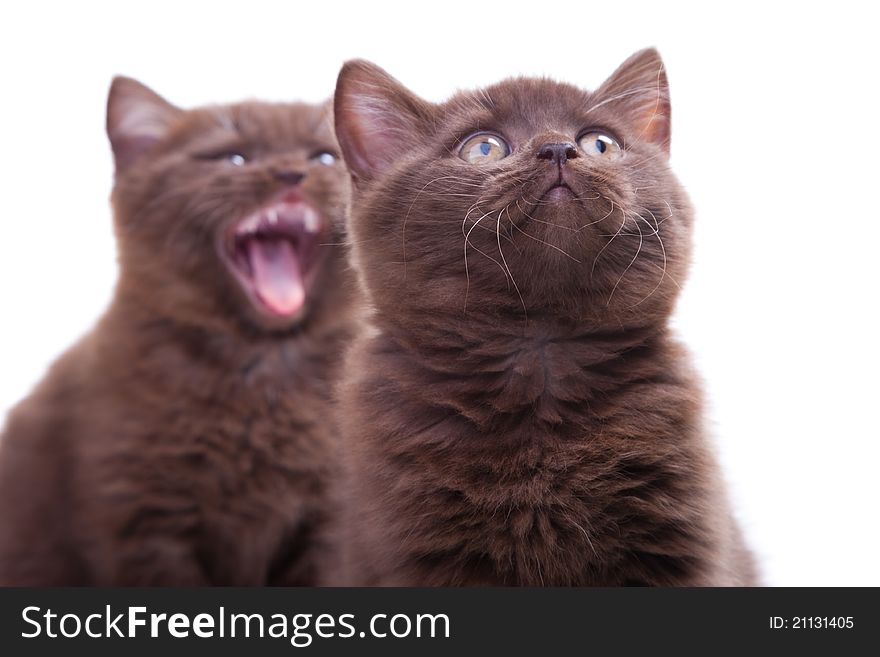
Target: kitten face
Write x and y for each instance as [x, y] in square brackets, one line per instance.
[227, 215]
[530, 197]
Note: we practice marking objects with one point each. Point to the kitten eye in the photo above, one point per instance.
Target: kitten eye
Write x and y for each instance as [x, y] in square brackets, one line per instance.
[598, 144]
[235, 158]
[326, 158]
[484, 148]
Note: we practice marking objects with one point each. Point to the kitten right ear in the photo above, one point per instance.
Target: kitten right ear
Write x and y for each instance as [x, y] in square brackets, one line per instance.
[137, 118]
[639, 90]
[376, 118]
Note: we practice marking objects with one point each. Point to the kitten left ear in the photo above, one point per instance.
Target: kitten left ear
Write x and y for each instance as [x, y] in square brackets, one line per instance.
[376, 118]
[640, 90]
[137, 118]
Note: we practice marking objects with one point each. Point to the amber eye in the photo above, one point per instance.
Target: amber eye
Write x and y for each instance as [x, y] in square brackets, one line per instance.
[598, 144]
[484, 148]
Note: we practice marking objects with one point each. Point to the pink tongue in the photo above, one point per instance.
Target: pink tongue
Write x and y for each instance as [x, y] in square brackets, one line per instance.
[277, 275]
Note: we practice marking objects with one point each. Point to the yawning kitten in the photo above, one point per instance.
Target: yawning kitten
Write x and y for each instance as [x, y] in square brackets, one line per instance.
[187, 439]
[519, 412]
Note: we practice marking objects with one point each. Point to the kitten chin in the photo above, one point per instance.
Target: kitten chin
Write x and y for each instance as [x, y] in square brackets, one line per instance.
[518, 412]
[189, 438]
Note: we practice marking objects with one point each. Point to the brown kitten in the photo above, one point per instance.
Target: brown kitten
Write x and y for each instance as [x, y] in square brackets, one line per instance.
[187, 439]
[519, 412]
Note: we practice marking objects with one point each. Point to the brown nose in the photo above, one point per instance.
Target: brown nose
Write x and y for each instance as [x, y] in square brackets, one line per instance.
[288, 176]
[558, 153]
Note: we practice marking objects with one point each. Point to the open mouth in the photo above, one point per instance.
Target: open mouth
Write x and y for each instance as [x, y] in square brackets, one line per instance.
[272, 253]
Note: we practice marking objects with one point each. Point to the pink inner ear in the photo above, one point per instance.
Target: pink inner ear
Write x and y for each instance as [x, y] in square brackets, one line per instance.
[358, 141]
[639, 90]
[377, 118]
[137, 118]
[372, 134]
[653, 122]
[127, 150]
[135, 126]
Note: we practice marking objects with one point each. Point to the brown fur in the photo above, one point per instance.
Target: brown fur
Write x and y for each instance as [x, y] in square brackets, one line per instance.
[187, 439]
[518, 412]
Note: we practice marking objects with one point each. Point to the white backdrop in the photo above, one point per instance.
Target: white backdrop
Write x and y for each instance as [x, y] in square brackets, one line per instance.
[775, 135]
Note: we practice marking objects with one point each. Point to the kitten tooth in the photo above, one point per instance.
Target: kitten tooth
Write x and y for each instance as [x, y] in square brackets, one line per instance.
[310, 220]
[273, 216]
[250, 225]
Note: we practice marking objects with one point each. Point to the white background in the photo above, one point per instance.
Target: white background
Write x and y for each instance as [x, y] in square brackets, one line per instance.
[775, 135]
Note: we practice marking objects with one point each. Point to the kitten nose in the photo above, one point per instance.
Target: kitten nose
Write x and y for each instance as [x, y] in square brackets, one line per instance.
[288, 176]
[558, 153]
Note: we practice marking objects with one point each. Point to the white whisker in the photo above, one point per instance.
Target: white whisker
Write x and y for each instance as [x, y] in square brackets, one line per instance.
[635, 257]
[607, 244]
[500, 251]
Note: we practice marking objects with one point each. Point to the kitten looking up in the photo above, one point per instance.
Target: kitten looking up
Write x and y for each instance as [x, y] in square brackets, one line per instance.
[188, 438]
[519, 412]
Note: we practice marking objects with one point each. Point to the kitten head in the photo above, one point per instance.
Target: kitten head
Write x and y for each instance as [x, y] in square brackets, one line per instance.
[529, 198]
[226, 216]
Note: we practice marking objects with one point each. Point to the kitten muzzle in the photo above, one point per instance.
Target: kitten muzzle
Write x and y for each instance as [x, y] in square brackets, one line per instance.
[272, 251]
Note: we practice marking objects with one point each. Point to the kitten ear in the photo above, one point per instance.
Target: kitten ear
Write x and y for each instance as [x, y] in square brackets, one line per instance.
[377, 118]
[640, 90]
[137, 118]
